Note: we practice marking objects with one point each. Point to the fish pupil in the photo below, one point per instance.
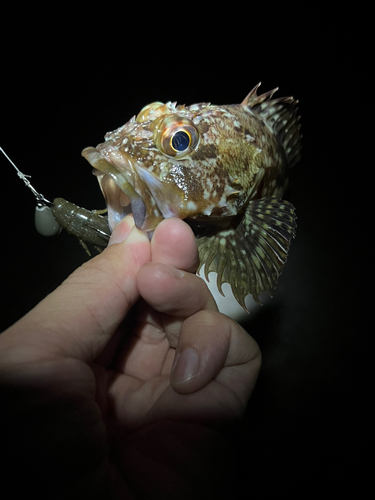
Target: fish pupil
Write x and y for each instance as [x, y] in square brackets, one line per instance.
[180, 141]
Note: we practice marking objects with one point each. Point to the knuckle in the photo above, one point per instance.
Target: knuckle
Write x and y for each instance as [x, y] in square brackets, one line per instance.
[208, 319]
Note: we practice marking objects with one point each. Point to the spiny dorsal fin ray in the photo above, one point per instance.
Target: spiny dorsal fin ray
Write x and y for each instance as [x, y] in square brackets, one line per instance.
[250, 257]
[281, 117]
[252, 99]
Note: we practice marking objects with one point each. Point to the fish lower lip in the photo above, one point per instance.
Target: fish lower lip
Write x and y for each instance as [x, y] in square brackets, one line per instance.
[139, 212]
[138, 206]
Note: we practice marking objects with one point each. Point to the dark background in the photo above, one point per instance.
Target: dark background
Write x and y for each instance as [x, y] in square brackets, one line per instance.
[305, 433]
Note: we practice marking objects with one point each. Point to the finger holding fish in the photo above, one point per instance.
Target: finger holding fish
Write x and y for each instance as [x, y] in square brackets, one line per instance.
[168, 284]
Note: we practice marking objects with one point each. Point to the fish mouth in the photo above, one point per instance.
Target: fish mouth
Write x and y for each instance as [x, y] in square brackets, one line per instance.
[129, 187]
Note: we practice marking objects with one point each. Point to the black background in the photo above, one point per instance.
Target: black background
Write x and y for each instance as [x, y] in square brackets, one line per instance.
[67, 82]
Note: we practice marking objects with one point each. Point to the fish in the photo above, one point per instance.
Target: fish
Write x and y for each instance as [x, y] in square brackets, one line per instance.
[221, 168]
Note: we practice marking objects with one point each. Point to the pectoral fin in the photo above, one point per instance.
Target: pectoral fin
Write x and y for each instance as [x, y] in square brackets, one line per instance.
[250, 256]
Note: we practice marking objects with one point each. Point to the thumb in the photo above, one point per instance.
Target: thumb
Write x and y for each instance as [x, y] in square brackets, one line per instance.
[213, 347]
[80, 316]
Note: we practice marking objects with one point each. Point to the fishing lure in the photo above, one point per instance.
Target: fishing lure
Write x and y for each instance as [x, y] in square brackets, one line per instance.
[88, 226]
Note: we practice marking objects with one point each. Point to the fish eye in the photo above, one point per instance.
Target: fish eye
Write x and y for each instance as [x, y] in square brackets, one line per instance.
[176, 136]
[180, 141]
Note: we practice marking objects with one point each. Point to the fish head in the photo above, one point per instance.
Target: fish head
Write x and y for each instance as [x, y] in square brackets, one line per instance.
[171, 161]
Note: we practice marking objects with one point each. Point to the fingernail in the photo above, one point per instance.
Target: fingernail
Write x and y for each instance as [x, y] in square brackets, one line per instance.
[176, 273]
[185, 367]
[122, 230]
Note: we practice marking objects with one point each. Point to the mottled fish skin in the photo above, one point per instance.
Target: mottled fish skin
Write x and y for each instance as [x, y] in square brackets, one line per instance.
[222, 168]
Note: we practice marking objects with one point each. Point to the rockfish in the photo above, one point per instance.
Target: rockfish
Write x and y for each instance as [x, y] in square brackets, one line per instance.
[223, 169]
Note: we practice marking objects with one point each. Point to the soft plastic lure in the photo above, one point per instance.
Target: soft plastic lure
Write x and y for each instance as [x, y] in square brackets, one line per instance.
[88, 226]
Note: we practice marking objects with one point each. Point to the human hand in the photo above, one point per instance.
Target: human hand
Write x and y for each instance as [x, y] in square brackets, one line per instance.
[96, 405]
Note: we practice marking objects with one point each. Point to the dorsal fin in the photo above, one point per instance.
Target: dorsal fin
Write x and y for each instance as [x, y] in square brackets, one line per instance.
[252, 99]
[281, 117]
